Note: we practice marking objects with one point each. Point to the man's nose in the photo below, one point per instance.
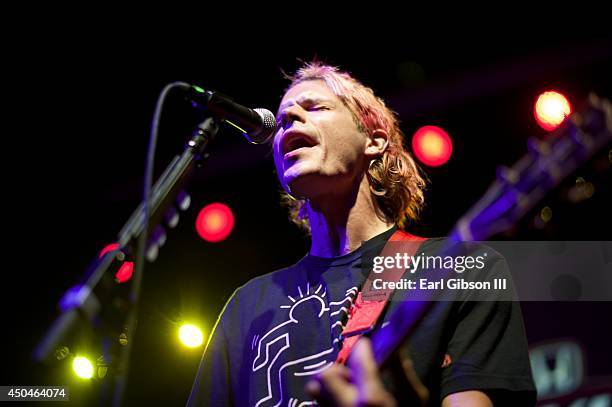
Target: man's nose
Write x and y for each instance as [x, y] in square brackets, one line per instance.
[291, 114]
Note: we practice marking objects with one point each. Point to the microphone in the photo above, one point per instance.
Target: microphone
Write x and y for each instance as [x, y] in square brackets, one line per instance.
[257, 125]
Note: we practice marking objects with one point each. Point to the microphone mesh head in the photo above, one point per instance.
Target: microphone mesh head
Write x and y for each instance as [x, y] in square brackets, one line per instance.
[269, 126]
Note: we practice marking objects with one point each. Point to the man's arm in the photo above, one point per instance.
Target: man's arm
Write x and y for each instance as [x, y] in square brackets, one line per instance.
[212, 385]
[359, 384]
[467, 398]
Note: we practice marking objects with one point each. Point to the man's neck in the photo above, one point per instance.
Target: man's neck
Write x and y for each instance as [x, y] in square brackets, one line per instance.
[339, 225]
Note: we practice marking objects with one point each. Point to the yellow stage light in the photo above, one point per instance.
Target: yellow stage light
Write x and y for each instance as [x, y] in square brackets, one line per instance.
[191, 336]
[83, 367]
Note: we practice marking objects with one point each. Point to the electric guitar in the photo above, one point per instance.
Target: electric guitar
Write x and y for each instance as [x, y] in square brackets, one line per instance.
[515, 191]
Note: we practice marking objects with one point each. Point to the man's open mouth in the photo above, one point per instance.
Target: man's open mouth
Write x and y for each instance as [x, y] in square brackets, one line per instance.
[294, 140]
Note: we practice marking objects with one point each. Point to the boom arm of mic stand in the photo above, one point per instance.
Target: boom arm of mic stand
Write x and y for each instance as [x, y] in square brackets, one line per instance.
[80, 300]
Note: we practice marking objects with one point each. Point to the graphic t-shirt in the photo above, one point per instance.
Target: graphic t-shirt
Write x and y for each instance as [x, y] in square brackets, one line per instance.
[280, 329]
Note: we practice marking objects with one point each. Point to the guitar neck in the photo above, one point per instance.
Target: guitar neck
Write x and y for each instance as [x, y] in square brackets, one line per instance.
[514, 193]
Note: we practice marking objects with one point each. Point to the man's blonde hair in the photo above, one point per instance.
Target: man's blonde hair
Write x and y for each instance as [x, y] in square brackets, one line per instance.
[395, 181]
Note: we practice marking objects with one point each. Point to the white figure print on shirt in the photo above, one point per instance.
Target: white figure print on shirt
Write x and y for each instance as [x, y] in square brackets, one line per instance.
[307, 305]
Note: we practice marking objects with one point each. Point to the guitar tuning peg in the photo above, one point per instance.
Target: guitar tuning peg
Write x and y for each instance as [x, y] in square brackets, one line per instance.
[536, 147]
[183, 201]
[507, 175]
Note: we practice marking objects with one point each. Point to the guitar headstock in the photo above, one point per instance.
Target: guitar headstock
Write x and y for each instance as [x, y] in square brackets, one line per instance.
[519, 188]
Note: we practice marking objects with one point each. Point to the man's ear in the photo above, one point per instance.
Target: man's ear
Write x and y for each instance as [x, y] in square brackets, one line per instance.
[377, 143]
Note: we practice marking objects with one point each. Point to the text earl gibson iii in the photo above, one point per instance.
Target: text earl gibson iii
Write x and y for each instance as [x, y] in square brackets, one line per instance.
[442, 284]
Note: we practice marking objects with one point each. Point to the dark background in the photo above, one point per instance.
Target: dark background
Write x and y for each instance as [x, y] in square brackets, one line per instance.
[86, 93]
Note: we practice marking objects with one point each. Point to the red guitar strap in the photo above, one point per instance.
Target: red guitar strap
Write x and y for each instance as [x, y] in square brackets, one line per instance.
[371, 302]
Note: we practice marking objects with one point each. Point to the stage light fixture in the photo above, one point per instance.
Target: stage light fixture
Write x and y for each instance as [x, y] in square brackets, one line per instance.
[83, 367]
[551, 109]
[432, 146]
[125, 270]
[191, 336]
[215, 222]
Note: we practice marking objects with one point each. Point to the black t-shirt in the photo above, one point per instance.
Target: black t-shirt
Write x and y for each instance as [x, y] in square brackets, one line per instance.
[280, 329]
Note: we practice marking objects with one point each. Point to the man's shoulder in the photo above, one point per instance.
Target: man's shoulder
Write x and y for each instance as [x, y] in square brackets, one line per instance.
[265, 281]
[442, 246]
[256, 294]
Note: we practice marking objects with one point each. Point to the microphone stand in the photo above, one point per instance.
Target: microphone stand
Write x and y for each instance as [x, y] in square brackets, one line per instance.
[107, 308]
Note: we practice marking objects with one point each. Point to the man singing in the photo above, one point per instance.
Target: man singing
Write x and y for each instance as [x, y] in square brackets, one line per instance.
[339, 155]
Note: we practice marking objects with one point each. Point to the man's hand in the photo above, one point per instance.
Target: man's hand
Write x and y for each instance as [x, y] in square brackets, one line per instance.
[358, 384]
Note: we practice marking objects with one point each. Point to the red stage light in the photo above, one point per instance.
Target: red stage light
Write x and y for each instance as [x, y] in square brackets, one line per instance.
[215, 222]
[432, 146]
[108, 248]
[127, 268]
[551, 109]
[125, 272]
